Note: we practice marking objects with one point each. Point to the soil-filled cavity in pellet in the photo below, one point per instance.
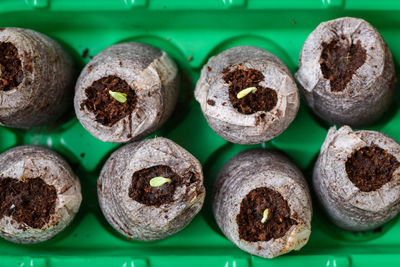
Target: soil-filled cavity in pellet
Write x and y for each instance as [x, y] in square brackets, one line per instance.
[263, 99]
[340, 60]
[370, 167]
[253, 226]
[31, 202]
[11, 73]
[107, 109]
[142, 192]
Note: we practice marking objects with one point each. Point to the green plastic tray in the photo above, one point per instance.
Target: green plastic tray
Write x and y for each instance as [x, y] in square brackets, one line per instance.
[191, 32]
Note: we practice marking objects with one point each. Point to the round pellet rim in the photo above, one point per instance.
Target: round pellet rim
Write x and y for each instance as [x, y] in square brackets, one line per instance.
[25, 162]
[46, 87]
[149, 72]
[369, 92]
[346, 204]
[141, 221]
[248, 171]
[212, 92]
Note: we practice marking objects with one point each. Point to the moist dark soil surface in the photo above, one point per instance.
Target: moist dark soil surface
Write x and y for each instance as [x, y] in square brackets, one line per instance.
[251, 213]
[108, 110]
[30, 202]
[11, 74]
[370, 167]
[142, 192]
[263, 99]
[340, 61]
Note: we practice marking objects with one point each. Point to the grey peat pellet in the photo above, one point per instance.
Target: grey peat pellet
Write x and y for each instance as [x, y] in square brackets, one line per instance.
[346, 72]
[241, 124]
[132, 207]
[266, 171]
[39, 194]
[36, 78]
[152, 79]
[350, 204]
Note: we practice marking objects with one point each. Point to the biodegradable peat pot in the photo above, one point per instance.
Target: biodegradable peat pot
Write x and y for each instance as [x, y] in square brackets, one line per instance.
[346, 72]
[140, 210]
[356, 178]
[262, 113]
[262, 203]
[36, 78]
[39, 194]
[147, 77]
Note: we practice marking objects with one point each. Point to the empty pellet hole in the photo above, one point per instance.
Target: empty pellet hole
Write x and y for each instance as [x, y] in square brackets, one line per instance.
[30, 202]
[11, 73]
[262, 99]
[370, 167]
[107, 109]
[339, 61]
[143, 192]
[254, 225]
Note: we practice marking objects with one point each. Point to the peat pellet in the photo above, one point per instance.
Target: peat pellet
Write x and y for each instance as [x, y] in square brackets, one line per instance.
[36, 78]
[126, 92]
[247, 95]
[262, 203]
[356, 178]
[39, 194]
[346, 72]
[151, 189]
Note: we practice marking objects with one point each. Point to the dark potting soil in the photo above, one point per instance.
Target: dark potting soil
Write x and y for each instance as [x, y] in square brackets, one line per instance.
[30, 202]
[370, 167]
[251, 213]
[340, 61]
[10, 65]
[108, 110]
[263, 99]
[141, 190]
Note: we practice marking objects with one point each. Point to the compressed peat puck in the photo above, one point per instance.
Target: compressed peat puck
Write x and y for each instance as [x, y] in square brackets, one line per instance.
[247, 95]
[262, 203]
[151, 189]
[39, 194]
[346, 72]
[126, 92]
[36, 78]
[356, 178]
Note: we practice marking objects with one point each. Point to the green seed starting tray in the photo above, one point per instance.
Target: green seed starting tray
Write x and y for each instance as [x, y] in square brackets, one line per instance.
[191, 32]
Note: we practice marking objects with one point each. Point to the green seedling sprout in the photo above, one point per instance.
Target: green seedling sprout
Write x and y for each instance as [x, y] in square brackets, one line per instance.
[120, 97]
[265, 216]
[245, 92]
[159, 181]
